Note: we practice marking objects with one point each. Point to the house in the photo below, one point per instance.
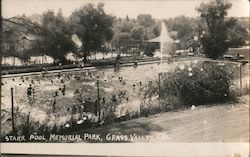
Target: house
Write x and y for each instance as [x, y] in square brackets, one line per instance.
[25, 42]
[16, 38]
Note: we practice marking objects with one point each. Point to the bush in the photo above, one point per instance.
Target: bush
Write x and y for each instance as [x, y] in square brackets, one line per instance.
[145, 109]
[170, 103]
[200, 84]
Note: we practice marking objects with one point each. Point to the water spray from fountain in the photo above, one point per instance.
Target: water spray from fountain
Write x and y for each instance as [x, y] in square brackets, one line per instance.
[165, 42]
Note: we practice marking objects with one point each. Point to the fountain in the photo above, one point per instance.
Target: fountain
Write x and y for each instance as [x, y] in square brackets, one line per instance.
[165, 42]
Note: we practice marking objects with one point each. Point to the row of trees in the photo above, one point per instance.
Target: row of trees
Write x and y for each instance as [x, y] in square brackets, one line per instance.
[94, 29]
[90, 24]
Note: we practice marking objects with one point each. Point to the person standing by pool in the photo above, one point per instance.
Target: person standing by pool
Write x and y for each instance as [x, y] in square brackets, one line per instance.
[63, 90]
[29, 93]
[117, 61]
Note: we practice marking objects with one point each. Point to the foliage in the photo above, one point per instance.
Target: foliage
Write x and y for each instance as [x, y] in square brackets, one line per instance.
[110, 108]
[55, 39]
[237, 34]
[145, 20]
[93, 27]
[150, 48]
[145, 28]
[197, 84]
[171, 103]
[183, 28]
[219, 33]
[145, 108]
[205, 83]
[131, 33]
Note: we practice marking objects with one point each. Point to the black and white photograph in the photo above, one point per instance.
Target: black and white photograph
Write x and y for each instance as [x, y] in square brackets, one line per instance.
[125, 72]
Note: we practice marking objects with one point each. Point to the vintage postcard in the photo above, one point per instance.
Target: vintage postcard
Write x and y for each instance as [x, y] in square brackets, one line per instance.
[141, 78]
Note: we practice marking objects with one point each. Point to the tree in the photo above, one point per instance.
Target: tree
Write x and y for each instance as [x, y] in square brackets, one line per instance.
[215, 38]
[183, 28]
[127, 18]
[145, 20]
[149, 48]
[137, 33]
[93, 26]
[55, 39]
[237, 34]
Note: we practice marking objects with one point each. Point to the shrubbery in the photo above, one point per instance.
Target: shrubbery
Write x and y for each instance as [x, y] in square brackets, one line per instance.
[202, 83]
[205, 83]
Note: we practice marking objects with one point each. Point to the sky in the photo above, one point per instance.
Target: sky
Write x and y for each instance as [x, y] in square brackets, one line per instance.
[159, 9]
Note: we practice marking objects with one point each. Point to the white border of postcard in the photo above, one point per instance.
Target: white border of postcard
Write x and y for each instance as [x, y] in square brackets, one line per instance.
[135, 149]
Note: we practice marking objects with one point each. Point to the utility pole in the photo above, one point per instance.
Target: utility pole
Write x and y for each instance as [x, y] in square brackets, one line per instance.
[12, 111]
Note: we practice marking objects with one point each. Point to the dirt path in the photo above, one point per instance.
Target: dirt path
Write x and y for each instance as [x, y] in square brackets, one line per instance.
[224, 123]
